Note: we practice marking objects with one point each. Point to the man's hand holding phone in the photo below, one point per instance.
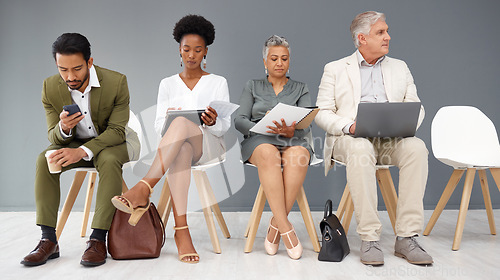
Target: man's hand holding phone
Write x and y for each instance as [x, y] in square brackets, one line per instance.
[70, 117]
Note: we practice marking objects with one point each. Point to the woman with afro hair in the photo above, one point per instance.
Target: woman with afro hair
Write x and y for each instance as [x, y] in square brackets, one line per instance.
[185, 143]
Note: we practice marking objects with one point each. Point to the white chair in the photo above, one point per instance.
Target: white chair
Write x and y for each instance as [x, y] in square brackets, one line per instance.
[207, 199]
[260, 201]
[81, 173]
[465, 139]
[387, 189]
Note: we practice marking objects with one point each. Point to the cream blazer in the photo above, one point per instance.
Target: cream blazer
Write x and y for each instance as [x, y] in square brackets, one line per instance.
[340, 93]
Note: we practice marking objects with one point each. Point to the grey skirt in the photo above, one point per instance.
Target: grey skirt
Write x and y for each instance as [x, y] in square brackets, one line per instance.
[251, 142]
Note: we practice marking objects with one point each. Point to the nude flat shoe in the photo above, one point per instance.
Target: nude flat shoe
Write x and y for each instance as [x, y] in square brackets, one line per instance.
[270, 246]
[296, 251]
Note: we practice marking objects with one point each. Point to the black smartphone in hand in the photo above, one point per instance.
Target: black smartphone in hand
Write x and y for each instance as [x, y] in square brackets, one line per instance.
[71, 109]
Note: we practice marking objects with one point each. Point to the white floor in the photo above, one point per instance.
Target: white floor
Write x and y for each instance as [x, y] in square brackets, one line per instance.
[478, 257]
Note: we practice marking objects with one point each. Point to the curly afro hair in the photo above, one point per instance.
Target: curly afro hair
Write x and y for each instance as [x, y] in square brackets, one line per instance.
[194, 24]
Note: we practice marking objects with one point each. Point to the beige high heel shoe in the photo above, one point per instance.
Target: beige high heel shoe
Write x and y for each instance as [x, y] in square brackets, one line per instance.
[270, 246]
[181, 257]
[135, 213]
[296, 251]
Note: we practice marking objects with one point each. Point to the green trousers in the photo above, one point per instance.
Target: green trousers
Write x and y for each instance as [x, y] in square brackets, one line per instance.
[108, 163]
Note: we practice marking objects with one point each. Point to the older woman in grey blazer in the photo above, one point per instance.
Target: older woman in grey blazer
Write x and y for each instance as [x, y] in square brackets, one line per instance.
[282, 159]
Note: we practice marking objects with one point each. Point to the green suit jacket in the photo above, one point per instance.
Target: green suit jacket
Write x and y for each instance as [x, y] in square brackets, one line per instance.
[109, 109]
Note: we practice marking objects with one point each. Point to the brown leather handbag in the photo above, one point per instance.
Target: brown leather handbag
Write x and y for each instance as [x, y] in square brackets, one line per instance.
[142, 241]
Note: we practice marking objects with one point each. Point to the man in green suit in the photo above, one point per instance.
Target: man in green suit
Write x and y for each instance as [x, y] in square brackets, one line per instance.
[93, 137]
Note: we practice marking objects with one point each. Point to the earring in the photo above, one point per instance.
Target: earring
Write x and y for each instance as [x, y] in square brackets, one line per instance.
[266, 71]
[288, 71]
[205, 62]
[181, 59]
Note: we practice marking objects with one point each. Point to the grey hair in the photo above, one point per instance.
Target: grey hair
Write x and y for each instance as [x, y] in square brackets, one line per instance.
[274, 40]
[363, 22]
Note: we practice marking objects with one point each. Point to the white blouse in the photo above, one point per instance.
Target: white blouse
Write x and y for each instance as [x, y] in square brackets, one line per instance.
[173, 92]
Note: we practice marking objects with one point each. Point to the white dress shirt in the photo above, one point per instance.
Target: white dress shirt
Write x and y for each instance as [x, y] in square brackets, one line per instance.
[372, 83]
[85, 128]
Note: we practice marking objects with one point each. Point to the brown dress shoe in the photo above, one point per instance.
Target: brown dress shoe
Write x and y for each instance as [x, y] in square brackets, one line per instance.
[45, 250]
[95, 254]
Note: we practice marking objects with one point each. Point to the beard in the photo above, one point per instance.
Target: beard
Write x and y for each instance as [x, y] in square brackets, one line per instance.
[80, 82]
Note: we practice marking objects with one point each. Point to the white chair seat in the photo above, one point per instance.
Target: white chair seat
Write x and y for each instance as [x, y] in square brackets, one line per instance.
[204, 167]
[464, 137]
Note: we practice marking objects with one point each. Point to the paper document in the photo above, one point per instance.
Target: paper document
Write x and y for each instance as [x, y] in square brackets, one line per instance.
[302, 116]
[224, 109]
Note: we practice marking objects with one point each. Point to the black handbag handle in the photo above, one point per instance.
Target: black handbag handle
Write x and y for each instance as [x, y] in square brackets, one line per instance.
[328, 209]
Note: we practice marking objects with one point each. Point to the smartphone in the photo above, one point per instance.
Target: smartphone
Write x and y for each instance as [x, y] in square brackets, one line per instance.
[71, 109]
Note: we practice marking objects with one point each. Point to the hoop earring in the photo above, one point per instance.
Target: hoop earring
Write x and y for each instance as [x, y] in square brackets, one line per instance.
[266, 71]
[205, 62]
[181, 59]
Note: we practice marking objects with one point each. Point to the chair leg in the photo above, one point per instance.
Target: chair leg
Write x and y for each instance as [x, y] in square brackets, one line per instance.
[215, 206]
[88, 202]
[389, 195]
[260, 201]
[464, 205]
[348, 213]
[70, 201]
[487, 200]
[495, 173]
[209, 219]
[252, 215]
[448, 191]
[343, 203]
[308, 220]
[165, 203]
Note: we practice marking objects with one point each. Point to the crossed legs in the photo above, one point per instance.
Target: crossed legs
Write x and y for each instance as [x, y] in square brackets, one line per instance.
[180, 147]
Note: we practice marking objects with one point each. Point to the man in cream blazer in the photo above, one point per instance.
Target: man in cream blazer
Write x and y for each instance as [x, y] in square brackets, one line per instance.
[369, 75]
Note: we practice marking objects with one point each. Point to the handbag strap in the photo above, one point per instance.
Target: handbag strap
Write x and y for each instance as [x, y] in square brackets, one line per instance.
[328, 209]
[161, 223]
[163, 231]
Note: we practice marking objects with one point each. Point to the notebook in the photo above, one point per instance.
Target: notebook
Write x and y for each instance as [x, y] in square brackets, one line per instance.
[302, 116]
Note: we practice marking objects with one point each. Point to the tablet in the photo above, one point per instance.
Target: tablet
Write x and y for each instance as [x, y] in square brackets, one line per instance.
[192, 115]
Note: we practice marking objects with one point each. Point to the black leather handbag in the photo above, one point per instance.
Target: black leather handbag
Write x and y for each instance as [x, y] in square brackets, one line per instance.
[334, 246]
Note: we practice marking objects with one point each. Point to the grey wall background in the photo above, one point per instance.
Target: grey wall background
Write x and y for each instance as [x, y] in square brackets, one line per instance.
[451, 48]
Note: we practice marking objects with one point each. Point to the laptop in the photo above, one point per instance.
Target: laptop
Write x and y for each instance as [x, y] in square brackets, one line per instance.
[391, 119]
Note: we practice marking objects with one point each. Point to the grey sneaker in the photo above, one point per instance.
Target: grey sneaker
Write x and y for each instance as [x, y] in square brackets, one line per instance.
[409, 249]
[371, 254]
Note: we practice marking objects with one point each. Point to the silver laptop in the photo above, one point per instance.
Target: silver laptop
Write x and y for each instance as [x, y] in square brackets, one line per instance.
[391, 119]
